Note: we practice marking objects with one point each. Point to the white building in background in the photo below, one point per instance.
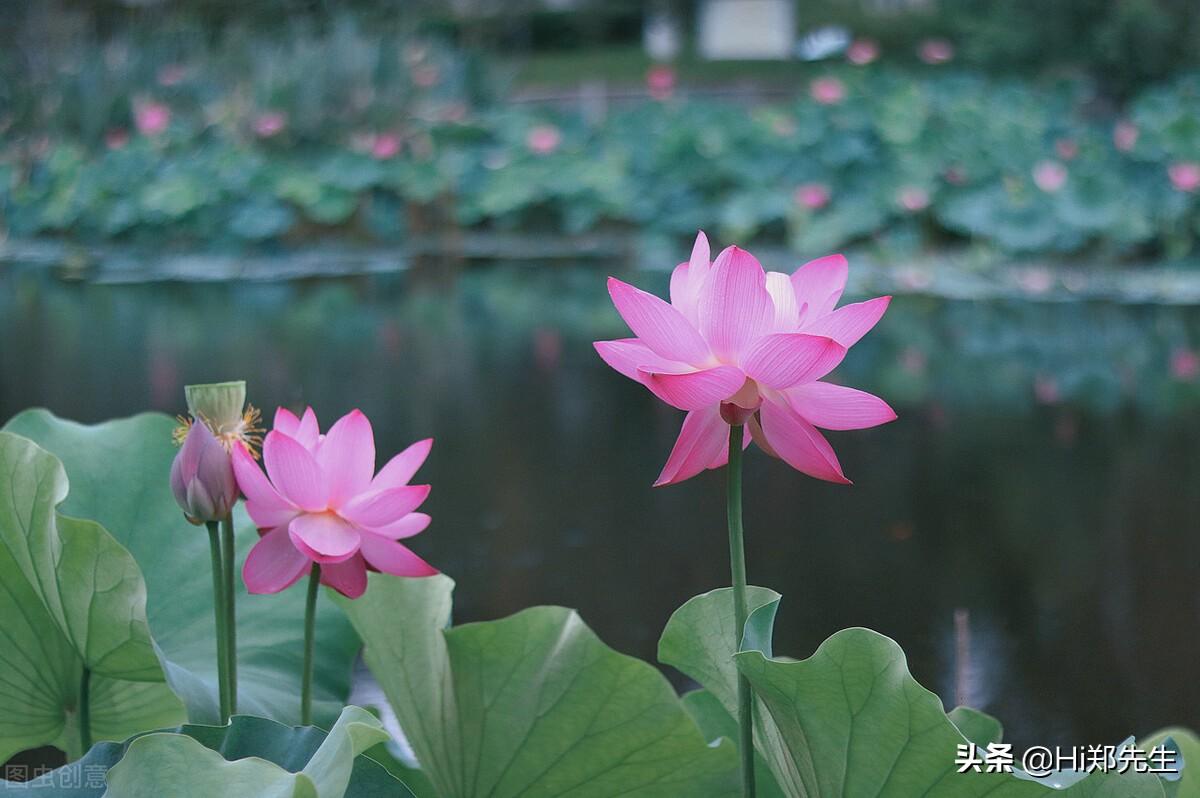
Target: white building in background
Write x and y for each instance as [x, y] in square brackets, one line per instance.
[746, 29]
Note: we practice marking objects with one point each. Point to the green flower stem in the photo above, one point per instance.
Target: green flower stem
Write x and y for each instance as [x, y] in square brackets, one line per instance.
[85, 710]
[310, 630]
[218, 571]
[737, 567]
[227, 554]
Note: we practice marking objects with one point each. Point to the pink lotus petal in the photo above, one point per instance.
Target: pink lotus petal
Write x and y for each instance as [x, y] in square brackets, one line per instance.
[304, 431]
[274, 564]
[831, 406]
[380, 508]
[735, 308]
[347, 457]
[295, 473]
[348, 578]
[401, 468]
[703, 437]
[783, 359]
[264, 504]
[798, 443]
[286, 422]
[688, 278]
[324, 537]
[783, 297]
[659, 325]
[819, 285]
[408, 526]
[393, 558]
[696, 389]
[849, 323]
[631, 357]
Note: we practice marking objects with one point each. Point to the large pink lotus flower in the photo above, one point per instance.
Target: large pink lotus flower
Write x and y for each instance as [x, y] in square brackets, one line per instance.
[321, 502]
[739, 345]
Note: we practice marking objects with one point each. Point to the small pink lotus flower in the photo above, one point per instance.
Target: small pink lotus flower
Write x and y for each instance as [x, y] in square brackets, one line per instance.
[1185, 175]
[935, 51]
[269, 123]
[1125, 135]
[321, 502]
[151, 117]
[1185, 364]
[913, 199]
[1049, 176]
[543, 139]
[862, 51]
[385, 146]
[737, 345]
[660, 81]
[202, 477]
[813, 196]
[1066, 148]
[827, 90]
[116, 138]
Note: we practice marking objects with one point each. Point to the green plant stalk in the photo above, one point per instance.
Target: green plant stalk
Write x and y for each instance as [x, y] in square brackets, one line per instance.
[85, 710]
[310, 634]
[227, 570]
[218, 571]
[737, 568]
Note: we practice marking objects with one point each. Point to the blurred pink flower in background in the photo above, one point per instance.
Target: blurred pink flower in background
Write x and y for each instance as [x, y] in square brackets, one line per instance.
[1185, 175]
[1125, 135]
[1035, 280]
[1049, 176]
[827, 90]
[914, 278]
[935, 51]
[151, 117]
[913, 198]
[1067, 148]
[116, 137]
[1045, 390]
[737, 345]
[543, 139]
[385, 146]
[813, 196]
[660, 81]
[320, 501]
[913, 361]
[269, 123]
[426, 76]
[955, 175]
[1185, 364]
[171, 75]
[862, 51]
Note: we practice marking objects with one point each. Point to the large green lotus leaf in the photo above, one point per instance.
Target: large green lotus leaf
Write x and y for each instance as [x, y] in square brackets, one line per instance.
[251, 757]
[70, 597]
[119, 473]
[715, 723]
[534, 705]
[1187, 745]
[850, 720]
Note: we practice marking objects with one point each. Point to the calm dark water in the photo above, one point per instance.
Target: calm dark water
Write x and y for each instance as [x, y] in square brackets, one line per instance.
[1035, 477]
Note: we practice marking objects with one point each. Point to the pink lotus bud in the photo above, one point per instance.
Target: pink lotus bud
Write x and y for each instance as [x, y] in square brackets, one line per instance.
[660, 81]
[913, 199]
[936, 51]
[862, 51]
[269, 123]
[1125, 135]
[1049, 176]
[385, 146]
[1185, 175]
[202, 477]
[827, 90]
[813, 196]
[151, 117]
[543, 139]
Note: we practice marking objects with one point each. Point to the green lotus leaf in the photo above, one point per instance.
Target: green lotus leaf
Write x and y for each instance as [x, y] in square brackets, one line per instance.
[71, 598]
[251, 757]
[534, 705]
[118, 475]
[1187, 747]
[850, 720]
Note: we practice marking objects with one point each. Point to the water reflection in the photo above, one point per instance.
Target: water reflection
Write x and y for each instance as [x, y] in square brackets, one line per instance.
[1061, 513]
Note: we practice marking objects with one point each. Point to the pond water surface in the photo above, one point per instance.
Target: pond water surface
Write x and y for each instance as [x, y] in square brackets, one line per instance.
[1042, 476]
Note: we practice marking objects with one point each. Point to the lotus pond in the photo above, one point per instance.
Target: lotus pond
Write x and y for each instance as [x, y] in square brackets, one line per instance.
[1041, 476]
